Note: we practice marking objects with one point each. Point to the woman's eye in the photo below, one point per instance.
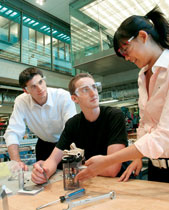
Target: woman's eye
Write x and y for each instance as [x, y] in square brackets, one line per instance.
[126, 49]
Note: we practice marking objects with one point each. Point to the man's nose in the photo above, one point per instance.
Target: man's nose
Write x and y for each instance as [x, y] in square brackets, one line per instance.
[38, 87]
[93, 91]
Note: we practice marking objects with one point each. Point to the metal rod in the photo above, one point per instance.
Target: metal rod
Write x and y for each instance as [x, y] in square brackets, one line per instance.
[48, 204]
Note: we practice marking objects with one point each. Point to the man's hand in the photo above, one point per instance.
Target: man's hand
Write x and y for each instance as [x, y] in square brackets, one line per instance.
[13, 151]
[135, 167]
[48, 166]
[95, 166]
[38, 172]
[23, 165]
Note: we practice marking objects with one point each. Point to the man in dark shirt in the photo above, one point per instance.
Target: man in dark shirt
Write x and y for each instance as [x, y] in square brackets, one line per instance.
[97, 130]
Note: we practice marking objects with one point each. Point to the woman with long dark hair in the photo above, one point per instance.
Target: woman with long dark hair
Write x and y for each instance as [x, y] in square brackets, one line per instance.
[144, 40]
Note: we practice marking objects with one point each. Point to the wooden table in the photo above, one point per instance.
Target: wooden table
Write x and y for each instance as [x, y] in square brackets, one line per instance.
[131, 195]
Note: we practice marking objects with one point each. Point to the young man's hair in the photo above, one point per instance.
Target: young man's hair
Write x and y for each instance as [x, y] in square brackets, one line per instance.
[27, 75]
[75, 79]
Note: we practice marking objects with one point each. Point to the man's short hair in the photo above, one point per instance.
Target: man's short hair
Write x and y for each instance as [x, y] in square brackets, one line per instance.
[27, 75]
[75, 79]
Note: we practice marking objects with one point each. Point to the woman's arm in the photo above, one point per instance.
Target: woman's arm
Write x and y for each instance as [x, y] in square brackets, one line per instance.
[97, 164]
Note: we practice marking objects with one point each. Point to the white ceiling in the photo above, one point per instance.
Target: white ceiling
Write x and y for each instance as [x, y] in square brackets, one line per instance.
[111, 13]
[58, 8]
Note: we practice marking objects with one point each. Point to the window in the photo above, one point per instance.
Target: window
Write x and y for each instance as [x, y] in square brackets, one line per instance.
[9, 34]
[35, 45]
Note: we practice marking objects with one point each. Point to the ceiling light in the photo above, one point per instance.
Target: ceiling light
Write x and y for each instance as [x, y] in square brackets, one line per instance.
[13, 14]
[40, 2]
[35, 23]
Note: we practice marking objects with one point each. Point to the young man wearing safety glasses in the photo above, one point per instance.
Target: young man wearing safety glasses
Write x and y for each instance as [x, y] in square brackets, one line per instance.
[44, 110]
[97, 130]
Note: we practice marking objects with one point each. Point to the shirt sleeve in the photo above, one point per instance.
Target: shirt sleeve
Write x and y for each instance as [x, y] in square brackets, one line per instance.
[140, 130]
[156, 143]
[16, 128]
[69, 108]
[67, 135]
[117, 133]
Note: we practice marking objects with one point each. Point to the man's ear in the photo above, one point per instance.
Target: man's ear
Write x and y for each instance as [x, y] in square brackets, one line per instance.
[143, 35]
[74, 98]
[25, 91]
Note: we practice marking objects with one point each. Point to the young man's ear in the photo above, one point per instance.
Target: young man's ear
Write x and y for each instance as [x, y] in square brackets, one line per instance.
[25, 91]
[74, 98]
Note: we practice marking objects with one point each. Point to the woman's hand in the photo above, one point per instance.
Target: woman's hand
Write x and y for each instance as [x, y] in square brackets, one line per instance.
[95, 166]
[135, 167]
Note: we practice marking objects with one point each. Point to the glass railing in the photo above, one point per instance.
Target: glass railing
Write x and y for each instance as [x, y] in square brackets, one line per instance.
[32, 42]
[88, 35]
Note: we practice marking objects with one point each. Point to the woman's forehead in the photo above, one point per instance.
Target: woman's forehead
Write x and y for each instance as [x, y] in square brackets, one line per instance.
[123, 42]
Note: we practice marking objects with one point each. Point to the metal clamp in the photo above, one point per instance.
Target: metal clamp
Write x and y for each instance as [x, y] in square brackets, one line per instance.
[74, 151]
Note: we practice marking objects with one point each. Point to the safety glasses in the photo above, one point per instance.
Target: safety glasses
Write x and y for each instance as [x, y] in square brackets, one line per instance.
[34, 86]
[85, 89]
[123, 50]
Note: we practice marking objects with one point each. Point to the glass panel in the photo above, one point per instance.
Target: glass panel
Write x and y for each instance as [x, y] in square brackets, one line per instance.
[67, 52]
[61, 56]
[85, 33]
[93, 22]
[55, 48]
[36, 43]
[44, 51]
[9, 34]
[61, 50]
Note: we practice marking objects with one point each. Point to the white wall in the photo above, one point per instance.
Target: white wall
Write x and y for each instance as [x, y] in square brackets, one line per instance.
[9, 72]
